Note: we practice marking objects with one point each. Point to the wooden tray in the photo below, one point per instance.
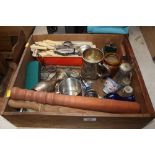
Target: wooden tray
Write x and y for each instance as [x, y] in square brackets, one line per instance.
[62, 117]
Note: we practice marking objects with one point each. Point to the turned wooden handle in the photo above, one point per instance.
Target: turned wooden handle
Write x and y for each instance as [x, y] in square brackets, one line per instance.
[26, 105]
[87, 103]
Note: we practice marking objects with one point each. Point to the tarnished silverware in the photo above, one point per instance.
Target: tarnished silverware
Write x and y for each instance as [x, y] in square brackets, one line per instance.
[70, 86]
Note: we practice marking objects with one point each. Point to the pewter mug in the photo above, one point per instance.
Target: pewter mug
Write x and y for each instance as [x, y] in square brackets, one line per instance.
[92, 66]
[70, 86]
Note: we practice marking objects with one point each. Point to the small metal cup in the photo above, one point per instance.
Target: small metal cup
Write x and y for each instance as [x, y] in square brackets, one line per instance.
[70, 86]
[92, 65]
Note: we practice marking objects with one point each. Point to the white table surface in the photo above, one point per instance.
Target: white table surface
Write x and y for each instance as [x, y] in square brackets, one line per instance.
[142, 54]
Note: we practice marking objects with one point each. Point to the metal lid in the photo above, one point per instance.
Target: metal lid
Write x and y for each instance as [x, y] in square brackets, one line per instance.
[128, 89]
[125, 67]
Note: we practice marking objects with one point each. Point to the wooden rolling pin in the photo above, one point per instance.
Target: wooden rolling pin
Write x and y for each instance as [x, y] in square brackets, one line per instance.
[61, 110]
[86, 103]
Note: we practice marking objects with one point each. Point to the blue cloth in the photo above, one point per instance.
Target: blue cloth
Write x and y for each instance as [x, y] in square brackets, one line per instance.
[108, 29]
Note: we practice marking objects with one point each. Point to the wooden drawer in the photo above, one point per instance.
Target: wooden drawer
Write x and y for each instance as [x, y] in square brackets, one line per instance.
[59, 118]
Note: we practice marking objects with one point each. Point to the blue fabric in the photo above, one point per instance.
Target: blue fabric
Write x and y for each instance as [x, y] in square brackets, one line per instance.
[108, 29]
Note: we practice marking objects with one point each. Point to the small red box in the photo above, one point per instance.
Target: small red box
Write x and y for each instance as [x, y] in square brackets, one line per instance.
[65, 61]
